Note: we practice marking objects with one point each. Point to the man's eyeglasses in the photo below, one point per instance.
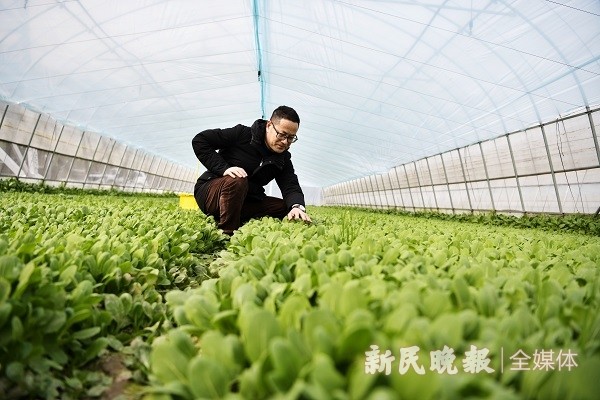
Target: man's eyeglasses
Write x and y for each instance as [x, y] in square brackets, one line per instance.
[288, 138]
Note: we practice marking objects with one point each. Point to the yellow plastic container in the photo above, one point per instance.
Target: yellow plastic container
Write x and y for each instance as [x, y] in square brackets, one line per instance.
[187, 201]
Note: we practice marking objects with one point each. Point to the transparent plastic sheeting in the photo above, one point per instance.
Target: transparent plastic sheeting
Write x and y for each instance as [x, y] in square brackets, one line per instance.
[377, 84]
[35, 147]
[549, 168]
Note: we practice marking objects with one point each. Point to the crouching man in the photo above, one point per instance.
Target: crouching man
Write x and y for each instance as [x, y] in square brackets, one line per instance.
[240, 161]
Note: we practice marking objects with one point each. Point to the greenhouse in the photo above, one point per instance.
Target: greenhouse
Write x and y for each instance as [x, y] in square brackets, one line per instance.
[442, 157]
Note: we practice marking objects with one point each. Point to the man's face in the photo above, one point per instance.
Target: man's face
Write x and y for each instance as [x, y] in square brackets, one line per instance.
[278, 142]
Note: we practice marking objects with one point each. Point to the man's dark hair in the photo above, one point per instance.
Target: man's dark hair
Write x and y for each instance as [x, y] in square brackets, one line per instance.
[285, 112]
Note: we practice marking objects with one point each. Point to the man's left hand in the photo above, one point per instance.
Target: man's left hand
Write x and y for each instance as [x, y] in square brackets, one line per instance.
[298, 214]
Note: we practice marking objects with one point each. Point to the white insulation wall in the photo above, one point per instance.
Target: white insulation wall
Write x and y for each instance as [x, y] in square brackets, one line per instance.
[548, 168]
[36, 148]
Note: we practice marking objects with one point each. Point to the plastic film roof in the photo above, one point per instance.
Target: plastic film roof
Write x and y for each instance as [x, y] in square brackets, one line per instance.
[376, 83]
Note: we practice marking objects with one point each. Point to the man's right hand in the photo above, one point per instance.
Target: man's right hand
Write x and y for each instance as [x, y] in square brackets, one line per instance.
[235, 172]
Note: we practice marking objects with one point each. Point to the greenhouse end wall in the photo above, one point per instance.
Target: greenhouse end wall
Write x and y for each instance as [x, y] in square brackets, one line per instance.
[552, 167]
[36, 148]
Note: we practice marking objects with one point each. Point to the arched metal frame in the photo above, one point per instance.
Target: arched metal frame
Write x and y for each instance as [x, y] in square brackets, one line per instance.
[453, 74]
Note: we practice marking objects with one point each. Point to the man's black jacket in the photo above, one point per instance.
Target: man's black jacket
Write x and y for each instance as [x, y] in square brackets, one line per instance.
[244, 147]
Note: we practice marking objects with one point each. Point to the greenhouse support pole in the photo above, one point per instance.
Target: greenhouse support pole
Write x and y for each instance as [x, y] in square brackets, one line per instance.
[363, 193]
[369, 201]
[75, 155]
[372, 196]
[487, 176]
[169, 178]
[182, 185]
[28, 145]
[380, 191]
[419, 184]
[145, 154]
[412, 200]
[447, 184]
[176, 182]
[594, 134]
[348, 192]
[392, 191]
[114, 142]
[150, 171]
[179, 187]
[175, 174]
[119, 167]
[2, 120]
[560, 209]
[259, 66]
[369, 191]
[364, 199]
[157, 177]
[462, 167]
[147, 170]
[385, 192]
[399, 188]
[3, 115]
[365, 189]
[182, 180]
[138, 170]
[131, 168]
[376, 191]
[437, 207]
[13, 164]
[155, 166]
[53, 152]
[162, 166]
[355, 193]
[87, 173]
[512, 157]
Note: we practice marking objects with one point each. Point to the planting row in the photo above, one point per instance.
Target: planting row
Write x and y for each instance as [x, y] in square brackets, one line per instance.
[80, 275]
[366, 305]
[357, 305]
